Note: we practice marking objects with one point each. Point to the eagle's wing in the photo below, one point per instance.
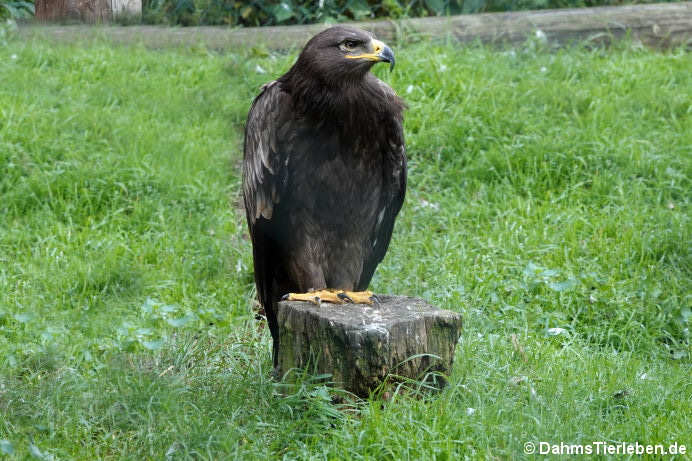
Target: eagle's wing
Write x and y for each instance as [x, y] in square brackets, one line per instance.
[392, 197]
[265, 158]
[268, 133]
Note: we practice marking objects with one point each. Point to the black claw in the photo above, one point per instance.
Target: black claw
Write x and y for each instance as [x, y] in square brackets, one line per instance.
[375, 299]
[318, 301]
[345, 297]
[285, 297]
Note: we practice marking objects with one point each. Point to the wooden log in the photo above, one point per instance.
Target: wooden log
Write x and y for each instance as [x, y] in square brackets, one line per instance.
[89, 11]
[655, 24]
[660, 24]
[361, 345]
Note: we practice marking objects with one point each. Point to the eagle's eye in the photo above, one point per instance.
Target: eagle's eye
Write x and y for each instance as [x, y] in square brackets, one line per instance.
[349, 45]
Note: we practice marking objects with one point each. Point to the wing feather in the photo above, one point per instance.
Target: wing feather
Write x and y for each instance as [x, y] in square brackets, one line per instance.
[391, 199]
[264, 163]
[268, 136]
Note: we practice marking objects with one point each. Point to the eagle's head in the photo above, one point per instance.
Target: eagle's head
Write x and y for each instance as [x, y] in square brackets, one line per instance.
[341, 54]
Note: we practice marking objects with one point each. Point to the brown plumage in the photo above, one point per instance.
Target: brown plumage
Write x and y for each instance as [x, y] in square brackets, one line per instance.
[324, 170]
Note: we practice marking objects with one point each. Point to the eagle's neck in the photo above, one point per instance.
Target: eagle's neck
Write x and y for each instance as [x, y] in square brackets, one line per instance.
[355, 105]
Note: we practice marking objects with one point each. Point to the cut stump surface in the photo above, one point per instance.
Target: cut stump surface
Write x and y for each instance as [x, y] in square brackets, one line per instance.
[359, 345]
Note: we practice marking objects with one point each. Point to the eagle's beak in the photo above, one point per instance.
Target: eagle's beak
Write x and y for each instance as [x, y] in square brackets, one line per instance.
[387, 55]
[383, 53]
[380, 53]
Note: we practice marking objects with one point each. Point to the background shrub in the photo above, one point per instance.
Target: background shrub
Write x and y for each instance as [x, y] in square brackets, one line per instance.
[285, 12]
[273, 12]
[16, 9]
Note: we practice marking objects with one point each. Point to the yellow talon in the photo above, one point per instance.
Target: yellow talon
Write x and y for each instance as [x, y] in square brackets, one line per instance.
[359, 297]
[334, 296]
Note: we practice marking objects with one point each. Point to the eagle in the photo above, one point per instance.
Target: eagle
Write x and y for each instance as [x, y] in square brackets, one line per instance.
[324, 173]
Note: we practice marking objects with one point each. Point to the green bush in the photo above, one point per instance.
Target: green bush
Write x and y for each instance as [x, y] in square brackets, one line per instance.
[266, 12]
[273, 12]
[16, 9]
[284, 12]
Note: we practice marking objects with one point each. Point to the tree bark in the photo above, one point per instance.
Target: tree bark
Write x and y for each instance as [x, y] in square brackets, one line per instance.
[89, 11]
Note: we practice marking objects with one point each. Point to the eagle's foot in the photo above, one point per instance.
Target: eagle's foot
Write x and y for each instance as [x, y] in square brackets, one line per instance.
[329, 295]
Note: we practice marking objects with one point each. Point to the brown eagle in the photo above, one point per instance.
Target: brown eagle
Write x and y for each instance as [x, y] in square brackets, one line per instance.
[324, 173]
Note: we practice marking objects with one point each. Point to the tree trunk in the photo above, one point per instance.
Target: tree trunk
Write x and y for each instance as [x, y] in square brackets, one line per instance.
[89, 11]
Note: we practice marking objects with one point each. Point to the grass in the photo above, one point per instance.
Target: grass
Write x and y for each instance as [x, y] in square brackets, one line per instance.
[549, 203]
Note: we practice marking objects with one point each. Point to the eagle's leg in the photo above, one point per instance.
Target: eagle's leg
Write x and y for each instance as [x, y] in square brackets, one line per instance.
[330, 295]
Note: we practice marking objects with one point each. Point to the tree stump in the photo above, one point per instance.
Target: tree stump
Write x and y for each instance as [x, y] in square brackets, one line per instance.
[360, 345]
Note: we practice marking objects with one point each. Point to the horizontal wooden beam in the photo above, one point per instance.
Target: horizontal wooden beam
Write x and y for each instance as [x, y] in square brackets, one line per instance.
[660, 25]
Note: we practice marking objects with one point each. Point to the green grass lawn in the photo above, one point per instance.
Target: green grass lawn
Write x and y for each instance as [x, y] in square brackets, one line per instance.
[548, 202]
